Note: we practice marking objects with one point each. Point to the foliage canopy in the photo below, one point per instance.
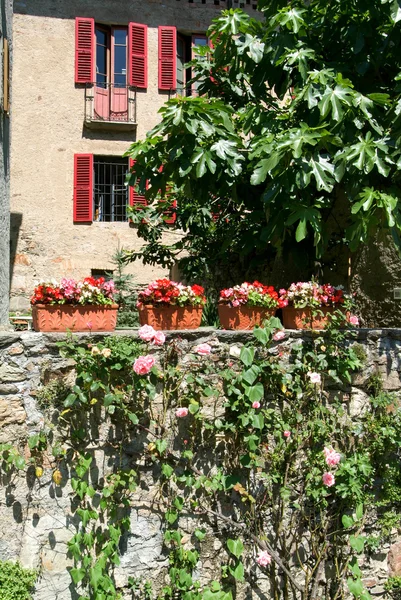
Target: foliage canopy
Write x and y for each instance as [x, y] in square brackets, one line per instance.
[294, 139]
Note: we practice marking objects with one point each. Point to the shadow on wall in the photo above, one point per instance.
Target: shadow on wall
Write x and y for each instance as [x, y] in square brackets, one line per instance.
[15, 226]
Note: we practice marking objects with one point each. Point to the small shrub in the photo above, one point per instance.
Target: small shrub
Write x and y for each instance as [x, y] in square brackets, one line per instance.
[16, 583]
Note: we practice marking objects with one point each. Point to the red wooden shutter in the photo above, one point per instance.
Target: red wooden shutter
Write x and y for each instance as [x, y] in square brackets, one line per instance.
[83, 187]
[138, 55]
[84, 50]
[135, 199]
[167, 58]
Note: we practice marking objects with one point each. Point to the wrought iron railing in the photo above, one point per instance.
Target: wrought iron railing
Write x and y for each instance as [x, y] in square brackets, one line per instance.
[110, 103]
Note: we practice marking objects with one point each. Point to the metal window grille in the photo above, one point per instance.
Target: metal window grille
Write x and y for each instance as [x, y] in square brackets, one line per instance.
[110, 192]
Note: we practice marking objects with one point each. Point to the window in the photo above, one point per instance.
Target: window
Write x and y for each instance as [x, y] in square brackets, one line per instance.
[175, 50]
[100, 193]
[110, 92]
[186, 51]
[110, 194]
[111, 55]
[106, 273]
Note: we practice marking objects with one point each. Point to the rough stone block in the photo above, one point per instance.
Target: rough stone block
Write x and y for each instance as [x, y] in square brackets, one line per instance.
[394, 560]
[11, 410]
[9, 373]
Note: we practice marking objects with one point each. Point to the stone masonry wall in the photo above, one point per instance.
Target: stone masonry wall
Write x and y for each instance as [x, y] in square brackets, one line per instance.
[35, 525]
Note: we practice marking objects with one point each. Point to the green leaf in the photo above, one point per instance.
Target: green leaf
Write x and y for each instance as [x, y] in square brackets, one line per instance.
[20, 463]
[193, 407]
[359, 512]
[255, 392]
[167, 470]
[171, 516]
[77, 575]
[200, 534]
[133, 418]
[238, 572]
[347, 521]
[70, 400]
[247, 355]
[262, 335]
[236, 547]
[357, 543]
[251, 374]
[355, 586]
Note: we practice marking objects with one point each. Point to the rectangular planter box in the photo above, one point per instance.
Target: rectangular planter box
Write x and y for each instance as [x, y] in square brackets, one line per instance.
[65, 317]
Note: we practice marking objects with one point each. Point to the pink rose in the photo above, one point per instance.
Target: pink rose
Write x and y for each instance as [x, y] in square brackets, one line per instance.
[263, 559]
[328, 479]
[159, 338]
[332, 457]
[314, 377]
[181, 412]
[146, 333]
[256, 404]
[143, 364]
[203, 349]
[287, 433]
[280, 335]
[353, 319]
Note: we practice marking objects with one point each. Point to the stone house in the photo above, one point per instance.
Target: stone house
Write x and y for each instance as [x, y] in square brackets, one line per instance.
[89, 77]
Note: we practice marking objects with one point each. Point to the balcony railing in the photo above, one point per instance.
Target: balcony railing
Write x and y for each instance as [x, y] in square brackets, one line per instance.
[109, 104]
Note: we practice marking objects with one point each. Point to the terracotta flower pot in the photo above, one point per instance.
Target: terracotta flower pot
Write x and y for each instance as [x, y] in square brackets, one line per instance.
[302, 318]
[63, 317]
[171, 317]
[243, 317]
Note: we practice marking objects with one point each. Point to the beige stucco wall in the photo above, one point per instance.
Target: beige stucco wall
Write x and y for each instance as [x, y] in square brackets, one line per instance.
[48, 128]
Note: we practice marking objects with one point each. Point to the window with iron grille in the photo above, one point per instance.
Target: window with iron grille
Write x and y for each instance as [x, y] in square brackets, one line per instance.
[110, 197]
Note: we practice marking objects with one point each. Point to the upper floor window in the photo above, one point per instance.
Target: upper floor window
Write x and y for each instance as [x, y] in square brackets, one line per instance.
[186, 51]
[111, 55]
[175, 51]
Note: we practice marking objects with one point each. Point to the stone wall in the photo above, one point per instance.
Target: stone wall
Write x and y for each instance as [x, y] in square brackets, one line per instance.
[35, 521]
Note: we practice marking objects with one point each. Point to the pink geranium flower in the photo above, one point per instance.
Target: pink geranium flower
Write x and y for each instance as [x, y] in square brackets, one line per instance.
[263, 558]
[203, 349]
[332, 457]
[146, 333]
[353, 319]
[181, 412]
[287, 433]
[143, 364]
[159, 338]
[256, 404]
[280, 335]
[328, 479]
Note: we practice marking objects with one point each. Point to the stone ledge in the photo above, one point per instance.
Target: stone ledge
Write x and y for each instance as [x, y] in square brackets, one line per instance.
[34, 338]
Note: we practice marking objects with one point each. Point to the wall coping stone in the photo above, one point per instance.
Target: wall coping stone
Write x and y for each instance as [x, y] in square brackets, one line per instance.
[225, 336]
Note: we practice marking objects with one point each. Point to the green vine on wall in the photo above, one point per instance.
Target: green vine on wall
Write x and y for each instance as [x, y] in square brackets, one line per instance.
[256, 447]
